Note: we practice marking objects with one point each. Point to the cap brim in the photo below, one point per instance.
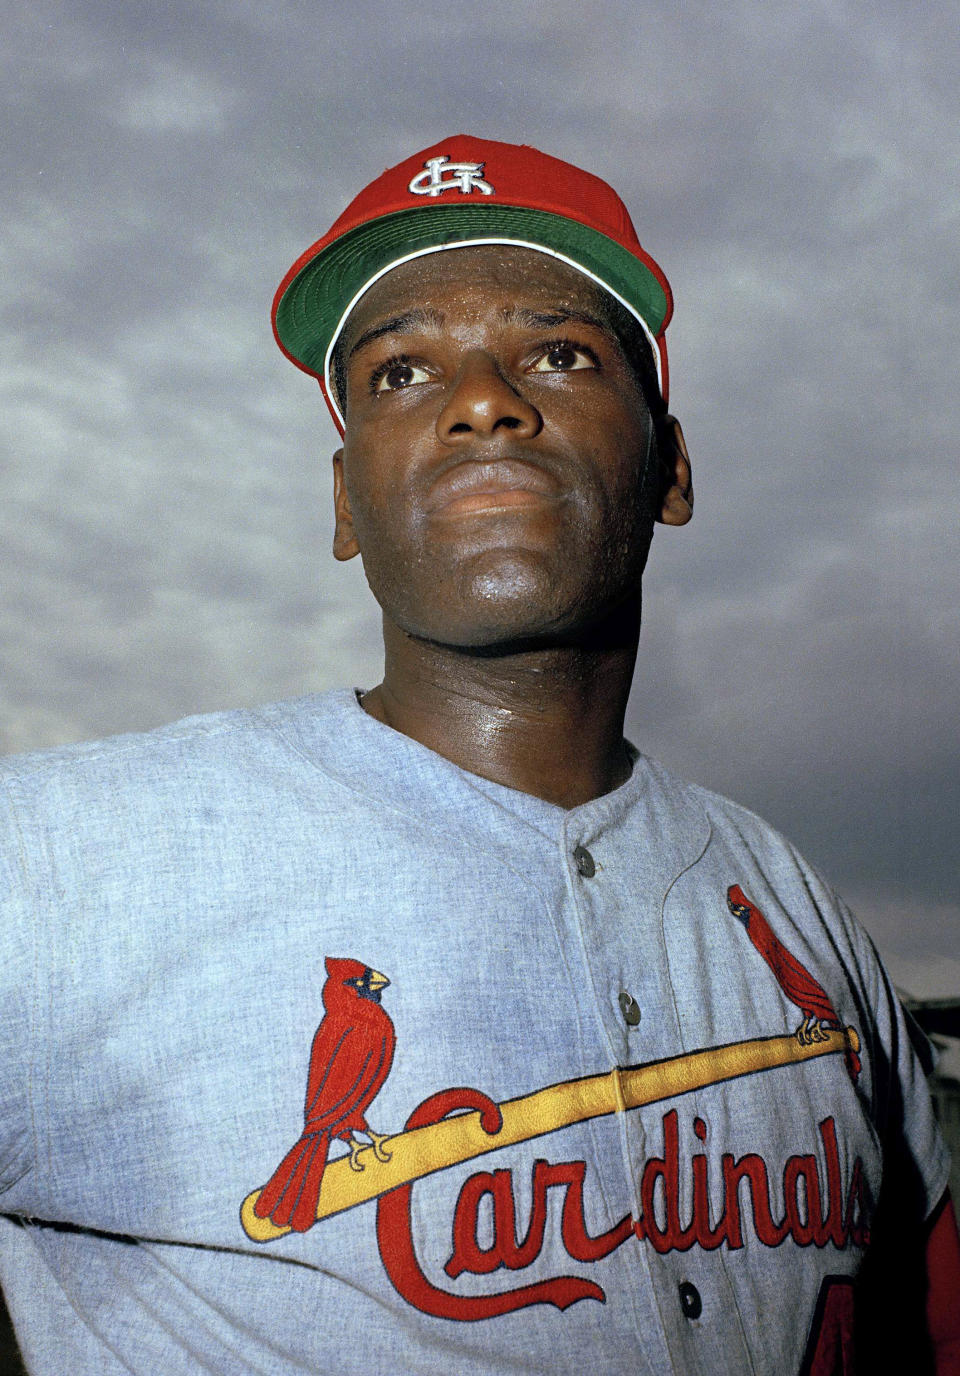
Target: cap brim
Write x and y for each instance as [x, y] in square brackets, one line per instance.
[312, 307]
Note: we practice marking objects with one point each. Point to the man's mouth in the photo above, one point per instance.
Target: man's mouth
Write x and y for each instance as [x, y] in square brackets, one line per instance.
[490, 485]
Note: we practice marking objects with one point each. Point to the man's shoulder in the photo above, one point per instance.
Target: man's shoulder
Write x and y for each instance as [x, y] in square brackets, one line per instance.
[726, 842]
[209, 743]
[723, 815]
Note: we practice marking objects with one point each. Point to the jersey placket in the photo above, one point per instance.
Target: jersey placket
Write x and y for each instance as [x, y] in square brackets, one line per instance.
[617, 890]
[618, 997]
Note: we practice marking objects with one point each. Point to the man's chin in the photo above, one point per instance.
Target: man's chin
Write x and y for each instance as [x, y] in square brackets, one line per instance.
[488, 632]
[500, 602]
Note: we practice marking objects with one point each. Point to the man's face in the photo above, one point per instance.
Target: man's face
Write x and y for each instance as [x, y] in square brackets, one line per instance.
[498, 467]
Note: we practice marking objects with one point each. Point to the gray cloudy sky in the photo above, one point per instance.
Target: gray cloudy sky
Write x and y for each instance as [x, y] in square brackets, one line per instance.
[164, 506]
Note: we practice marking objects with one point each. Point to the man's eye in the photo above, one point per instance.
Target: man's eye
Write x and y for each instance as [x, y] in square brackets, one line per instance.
[396, 374]
[564, 357]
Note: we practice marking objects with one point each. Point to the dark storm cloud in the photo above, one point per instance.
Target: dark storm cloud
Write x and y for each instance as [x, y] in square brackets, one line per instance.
[165, 493]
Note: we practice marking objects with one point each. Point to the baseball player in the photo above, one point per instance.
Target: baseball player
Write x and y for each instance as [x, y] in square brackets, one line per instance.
[434, 1028]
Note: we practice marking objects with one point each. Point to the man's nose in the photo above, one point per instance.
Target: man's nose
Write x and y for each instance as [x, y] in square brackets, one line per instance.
[483, 401]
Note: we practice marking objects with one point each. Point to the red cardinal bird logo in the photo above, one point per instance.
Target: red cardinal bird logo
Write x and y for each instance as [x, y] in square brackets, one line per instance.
[350, 1059]
[793, 978]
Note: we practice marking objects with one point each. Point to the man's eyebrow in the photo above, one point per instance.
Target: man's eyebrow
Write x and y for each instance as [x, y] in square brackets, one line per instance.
[406, 323]
[549, 320]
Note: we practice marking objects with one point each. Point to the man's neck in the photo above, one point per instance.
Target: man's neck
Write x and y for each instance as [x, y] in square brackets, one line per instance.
[548, 722]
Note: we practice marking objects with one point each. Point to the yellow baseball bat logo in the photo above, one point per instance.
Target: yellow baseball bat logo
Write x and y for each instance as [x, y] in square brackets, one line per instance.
[424, 1150]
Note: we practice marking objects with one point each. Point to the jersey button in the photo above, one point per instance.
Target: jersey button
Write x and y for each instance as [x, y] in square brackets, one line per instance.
[629, 1008]
[690, 1301]
[585, 865]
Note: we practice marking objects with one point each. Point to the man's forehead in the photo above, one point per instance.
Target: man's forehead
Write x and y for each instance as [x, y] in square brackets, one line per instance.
[543, 292]
[422, 320]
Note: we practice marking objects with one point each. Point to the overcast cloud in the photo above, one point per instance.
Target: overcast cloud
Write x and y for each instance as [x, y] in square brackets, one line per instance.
[164, 511]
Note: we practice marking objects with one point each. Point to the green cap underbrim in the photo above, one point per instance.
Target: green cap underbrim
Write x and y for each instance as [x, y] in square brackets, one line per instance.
[311, 310]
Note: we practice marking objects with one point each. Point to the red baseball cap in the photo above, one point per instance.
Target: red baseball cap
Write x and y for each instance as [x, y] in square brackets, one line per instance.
[460, 192]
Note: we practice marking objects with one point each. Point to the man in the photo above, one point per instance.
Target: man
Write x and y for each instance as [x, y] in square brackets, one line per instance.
[599, 1074]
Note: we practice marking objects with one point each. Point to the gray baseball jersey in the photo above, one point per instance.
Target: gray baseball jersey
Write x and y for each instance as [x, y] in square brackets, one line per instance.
[322, 1054]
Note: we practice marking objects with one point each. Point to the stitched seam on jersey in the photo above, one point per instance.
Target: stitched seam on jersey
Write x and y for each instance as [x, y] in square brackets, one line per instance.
[663, 932]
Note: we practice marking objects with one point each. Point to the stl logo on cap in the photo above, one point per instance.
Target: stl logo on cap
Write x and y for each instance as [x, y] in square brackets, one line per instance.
[465, 177]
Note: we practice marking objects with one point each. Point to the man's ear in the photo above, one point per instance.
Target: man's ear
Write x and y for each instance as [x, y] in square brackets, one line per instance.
[344, 539]
[676, 506]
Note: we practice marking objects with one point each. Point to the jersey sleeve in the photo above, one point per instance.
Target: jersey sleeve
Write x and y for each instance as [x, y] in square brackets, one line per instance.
[916, 1160]
[19, 992]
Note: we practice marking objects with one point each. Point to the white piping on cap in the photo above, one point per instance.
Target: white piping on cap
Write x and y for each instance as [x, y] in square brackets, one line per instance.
[479, 243]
